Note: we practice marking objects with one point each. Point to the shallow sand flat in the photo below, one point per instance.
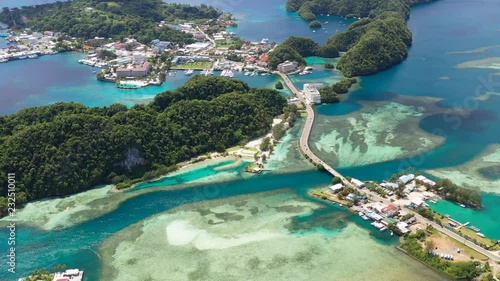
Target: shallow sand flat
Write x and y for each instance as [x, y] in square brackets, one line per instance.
[286, 157]
[252, 240]
[64, 212]
[483, 172]
[474, 51]
[380, 131]
[492, 62]
[67, 211]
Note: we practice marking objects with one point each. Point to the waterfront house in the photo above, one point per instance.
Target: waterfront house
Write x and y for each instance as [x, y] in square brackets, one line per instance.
[403, 227]
[336, 188]
[407, 178]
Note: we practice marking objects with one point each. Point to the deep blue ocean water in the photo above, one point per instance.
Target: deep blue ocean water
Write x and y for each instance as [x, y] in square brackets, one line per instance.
[438, 28]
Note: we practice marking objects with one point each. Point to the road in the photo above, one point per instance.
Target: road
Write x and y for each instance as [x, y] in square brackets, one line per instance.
[306, 130]
[304, 145]
[491, 255]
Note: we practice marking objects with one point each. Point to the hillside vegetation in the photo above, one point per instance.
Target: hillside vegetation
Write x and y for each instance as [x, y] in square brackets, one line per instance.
[296, 48]
[116, 19]
[372, 44]
[66, 148]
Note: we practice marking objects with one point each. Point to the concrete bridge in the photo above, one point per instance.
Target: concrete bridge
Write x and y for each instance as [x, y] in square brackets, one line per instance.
[306, 130]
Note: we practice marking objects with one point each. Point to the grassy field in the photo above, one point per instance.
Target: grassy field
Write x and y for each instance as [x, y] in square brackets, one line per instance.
[194, 65]
[449, 245]
[472, 234]
[328, 196]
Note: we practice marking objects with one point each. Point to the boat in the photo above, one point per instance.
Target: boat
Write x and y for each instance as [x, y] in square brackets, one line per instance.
[314, 30]
[204, 72]
[327, 15]
[252, 74]
[33, 56]
[23, 57]
[94, 71]
[3, 60]
[433, 201]
[480, 234]
[247, 73]
[462, 205]
[326, 22]
[189, 72]
[383, 229]
[392, 233]
[340, 205]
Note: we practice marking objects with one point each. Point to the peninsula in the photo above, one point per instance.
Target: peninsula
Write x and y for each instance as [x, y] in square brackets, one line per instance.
[377, 41]
[65, 148]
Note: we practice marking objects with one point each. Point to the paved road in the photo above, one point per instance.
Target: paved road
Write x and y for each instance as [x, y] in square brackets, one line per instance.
[304, 145]
[491, 255]
[306, 130]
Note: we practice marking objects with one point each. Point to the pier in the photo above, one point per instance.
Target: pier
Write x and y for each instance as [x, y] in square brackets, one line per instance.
[306, 130]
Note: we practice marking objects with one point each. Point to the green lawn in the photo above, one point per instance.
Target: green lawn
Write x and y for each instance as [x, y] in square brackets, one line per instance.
[194, 65]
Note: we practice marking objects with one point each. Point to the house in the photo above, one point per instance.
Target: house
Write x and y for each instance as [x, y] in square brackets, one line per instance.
[417, 202]
[357, 183]
[288, 66]
[406, 178]
[311, 92]
[160, 46]
[336, 188]
[374, 216]
[403, 227]
[70, 274]
[389, 185]
[390, 210]
[378, 207]
[351, 197]
[263, 60]
[140, 71]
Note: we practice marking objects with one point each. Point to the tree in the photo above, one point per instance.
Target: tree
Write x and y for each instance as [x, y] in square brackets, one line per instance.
[329, 66]
[264, 145]
[328, 95]
[429, 246]
[278, 85]
[314, 24]
[336, 180]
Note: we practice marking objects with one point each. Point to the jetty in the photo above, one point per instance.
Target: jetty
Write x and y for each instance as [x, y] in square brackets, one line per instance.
[306, 131]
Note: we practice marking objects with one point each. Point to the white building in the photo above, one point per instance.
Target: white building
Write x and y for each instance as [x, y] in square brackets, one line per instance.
[357, 183]
[311, 92]
[336, 188]
[139, 57]
[288, 66]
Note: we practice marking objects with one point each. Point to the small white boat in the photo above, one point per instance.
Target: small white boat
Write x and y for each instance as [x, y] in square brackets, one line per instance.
[94, 71]
[189, 72]
[247, 73]
[462, 205]
[23, 57]
[3, 60]
[33, 56]
[253, 74]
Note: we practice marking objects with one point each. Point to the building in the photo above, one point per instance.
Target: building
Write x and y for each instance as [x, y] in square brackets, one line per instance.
[407, 178]
[403, 227]
[425, 180]
[69, 275]
[198, 46]
[288, 66]
[417, 202]
[160, 46]
[390, 210]
[311, 92]
[336, 188]
[139, 57]
[356, 182]
[140, 71]
[390, 185]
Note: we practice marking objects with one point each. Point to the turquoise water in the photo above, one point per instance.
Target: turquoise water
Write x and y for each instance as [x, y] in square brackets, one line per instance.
[438, 28]
[487, 220]
[192, 175]
[59, 78]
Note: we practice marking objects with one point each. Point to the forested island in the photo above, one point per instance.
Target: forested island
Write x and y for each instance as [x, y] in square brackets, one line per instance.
[377, 42]
[66, 148]
[117, 19]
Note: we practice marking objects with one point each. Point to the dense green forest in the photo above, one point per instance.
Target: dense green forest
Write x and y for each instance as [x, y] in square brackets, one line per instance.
[65, 148]
[372, 44]
[116, 19]
[296, 48]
